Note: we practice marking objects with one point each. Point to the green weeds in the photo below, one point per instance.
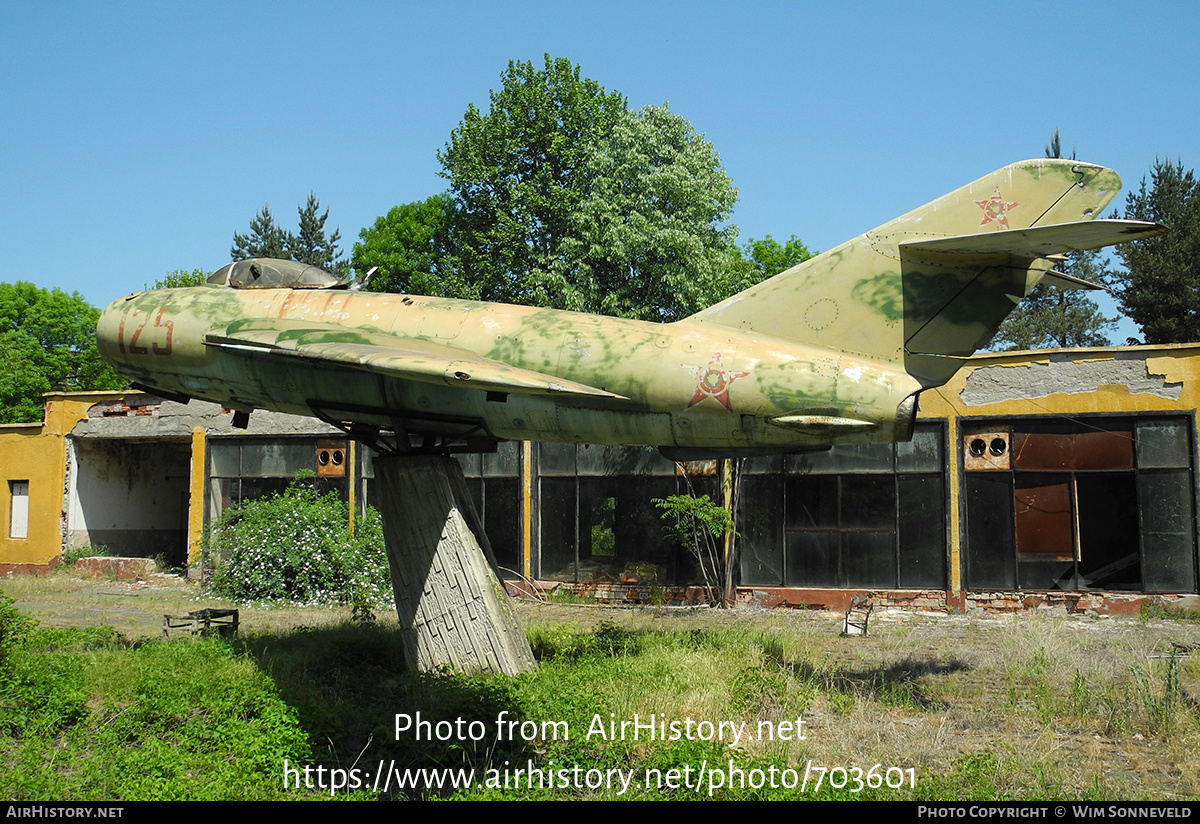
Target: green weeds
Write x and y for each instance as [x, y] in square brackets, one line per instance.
[87, 715]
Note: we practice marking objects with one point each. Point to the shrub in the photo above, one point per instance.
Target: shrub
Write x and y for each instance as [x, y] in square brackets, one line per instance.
[296, 546]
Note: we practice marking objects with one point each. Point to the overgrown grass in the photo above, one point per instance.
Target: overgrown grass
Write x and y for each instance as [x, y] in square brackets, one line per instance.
[86, 715]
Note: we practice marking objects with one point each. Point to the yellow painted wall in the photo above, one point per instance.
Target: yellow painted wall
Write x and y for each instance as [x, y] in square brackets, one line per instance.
[37, 453]
[1040, 374]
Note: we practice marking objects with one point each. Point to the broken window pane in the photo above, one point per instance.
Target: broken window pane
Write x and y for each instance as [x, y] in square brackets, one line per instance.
[1055, 445]
[923, 453]
[1108, 531]
[1163, 444]
[1042, 512]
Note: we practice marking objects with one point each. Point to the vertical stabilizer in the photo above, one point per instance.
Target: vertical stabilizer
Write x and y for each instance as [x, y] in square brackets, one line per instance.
[872, 295]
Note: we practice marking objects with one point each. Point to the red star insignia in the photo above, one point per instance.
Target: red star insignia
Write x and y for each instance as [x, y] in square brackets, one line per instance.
[995, 208]
[713, 381]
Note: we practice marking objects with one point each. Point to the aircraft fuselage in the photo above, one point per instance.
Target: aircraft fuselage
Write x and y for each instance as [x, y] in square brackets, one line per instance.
[679, 384]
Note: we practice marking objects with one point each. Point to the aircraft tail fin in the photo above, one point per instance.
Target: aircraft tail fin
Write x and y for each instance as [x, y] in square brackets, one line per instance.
[930, 287]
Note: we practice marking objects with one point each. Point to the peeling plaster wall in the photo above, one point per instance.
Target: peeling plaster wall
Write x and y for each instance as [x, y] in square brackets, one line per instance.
[177, 421]
[1067, 374]
[1063, 382]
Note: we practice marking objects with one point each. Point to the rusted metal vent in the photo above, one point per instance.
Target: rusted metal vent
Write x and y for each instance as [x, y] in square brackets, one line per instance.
[331, 458]
[987, 450]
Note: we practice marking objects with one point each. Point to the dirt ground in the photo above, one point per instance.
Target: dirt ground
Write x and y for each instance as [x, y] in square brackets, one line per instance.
[1056, 692]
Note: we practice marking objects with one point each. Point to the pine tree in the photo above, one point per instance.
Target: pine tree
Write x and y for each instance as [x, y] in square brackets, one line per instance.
[311, 245]
[1160, 289]
[265, 239]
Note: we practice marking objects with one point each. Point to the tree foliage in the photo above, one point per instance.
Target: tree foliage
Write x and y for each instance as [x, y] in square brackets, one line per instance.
[560, 196]
[1160, 287]
[1053, 318]
[311, 244]
[47, 344]
[265, 239]
[648, 241]
[180, 278]
[516, 175]
[411, 249]
[769, 257]
[1050, 317]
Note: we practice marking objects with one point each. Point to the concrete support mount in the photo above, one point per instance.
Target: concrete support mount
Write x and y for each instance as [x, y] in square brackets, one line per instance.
[452, 606]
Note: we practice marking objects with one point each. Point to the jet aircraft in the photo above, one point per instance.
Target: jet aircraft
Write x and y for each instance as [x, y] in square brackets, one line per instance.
[834, 350]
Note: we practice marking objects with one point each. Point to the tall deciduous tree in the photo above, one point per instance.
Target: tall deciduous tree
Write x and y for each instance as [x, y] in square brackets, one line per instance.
[563, 197]
[769, 257]
[1050, 317]
[649, 240]
[179, 278]
[411, 249]
[516, 175]
[1160, 289]
[47, 344]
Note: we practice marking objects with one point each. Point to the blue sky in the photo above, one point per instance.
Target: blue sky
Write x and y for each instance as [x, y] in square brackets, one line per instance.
[137, 137]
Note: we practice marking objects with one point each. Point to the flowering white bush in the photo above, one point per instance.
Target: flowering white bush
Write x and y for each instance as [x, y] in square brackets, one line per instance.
[296, 546]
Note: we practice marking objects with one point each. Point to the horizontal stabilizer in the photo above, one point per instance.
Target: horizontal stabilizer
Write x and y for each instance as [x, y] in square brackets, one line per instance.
[1062, 280]
[1041, 241]
[397, 357]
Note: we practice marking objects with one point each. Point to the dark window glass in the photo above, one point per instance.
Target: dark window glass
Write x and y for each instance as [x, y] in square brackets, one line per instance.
[812, 559]
[876, 457]
[812, 501]
[923, 453]
[1165, 497]
[869, 559]
[761, 540]
[501, 521]
[557, 520]
[868, 502]
[922, 531]
[989, 547]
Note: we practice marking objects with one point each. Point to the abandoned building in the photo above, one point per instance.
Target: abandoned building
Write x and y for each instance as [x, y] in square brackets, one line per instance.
[1033, 478]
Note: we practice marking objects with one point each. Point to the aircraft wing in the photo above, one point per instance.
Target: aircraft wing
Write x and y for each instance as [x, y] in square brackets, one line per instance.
[394, 356]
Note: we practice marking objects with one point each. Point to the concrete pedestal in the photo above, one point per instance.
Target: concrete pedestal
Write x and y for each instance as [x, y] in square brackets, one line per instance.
[453, 608]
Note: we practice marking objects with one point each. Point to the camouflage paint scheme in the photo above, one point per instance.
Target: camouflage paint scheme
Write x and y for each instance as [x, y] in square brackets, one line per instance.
[834, 350]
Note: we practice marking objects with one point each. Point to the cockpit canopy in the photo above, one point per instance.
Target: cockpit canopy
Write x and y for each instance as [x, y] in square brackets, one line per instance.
[268, 273]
